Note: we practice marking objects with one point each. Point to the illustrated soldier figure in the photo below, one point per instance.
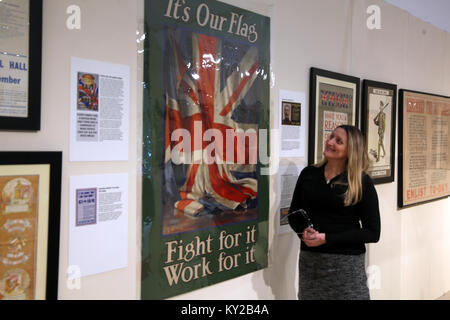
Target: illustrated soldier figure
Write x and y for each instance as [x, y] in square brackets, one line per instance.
[380, 121]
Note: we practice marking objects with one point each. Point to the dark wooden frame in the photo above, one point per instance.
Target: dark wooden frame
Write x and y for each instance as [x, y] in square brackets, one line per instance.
[313, 104]
[365, 123]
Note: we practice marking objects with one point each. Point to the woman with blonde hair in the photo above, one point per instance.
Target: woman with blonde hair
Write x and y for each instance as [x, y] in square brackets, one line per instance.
[341, 203]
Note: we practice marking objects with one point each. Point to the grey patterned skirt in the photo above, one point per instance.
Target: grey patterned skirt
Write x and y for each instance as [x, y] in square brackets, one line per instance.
[324, 276]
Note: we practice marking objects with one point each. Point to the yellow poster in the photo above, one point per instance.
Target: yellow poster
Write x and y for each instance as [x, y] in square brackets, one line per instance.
[18, 236]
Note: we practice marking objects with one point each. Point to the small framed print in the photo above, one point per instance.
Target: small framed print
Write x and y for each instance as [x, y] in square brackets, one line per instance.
[334, 101]
[30, 197]
[291, 113]
[378, 126]
[20, 64]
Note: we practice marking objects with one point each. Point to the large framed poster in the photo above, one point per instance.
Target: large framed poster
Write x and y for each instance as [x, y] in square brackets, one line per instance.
[333, 101]
[20, 64]
[30, 198]
[378, 125]
[206, 101]
[424, 147]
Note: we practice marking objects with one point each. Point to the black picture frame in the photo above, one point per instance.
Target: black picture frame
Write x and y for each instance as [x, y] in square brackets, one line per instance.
[338, 88]
[382, 168]
[413, 195]
[33, 120]
[54, 161]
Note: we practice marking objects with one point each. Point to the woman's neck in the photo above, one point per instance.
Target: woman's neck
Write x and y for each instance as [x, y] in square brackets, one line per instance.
[334, 168]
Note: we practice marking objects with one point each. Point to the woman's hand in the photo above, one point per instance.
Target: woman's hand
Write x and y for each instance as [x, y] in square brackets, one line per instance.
[313, 238]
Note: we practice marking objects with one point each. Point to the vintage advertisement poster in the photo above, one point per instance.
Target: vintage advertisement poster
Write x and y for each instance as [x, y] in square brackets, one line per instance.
[425, 146]
[379, 128]
[334, 102]
[205, 201]
[14, 39]
[18, 237]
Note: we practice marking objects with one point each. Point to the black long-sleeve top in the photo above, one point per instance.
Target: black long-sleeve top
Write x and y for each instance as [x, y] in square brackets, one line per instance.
[346, 228]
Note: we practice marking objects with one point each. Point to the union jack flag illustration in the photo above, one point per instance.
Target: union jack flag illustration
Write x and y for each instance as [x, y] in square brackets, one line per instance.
[210, 87]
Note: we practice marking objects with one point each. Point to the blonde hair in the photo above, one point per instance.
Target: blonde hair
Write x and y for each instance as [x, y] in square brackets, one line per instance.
[357, 164]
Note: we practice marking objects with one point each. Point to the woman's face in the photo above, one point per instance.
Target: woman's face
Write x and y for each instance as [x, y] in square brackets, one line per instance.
[336, 147]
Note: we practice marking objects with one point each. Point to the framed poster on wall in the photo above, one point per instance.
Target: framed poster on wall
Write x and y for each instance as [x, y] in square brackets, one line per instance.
[205, 197]
[20, 64]
[30, 186]
[379, 104]
[334, 101]
[424, 147]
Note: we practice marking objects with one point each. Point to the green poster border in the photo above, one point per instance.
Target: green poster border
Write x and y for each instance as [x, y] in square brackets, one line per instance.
[153, 282]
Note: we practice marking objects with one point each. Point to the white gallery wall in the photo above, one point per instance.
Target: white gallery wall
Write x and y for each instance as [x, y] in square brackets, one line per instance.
[412, 259]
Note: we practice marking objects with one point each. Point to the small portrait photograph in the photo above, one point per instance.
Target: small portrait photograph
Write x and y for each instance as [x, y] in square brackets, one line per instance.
[286, 115]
